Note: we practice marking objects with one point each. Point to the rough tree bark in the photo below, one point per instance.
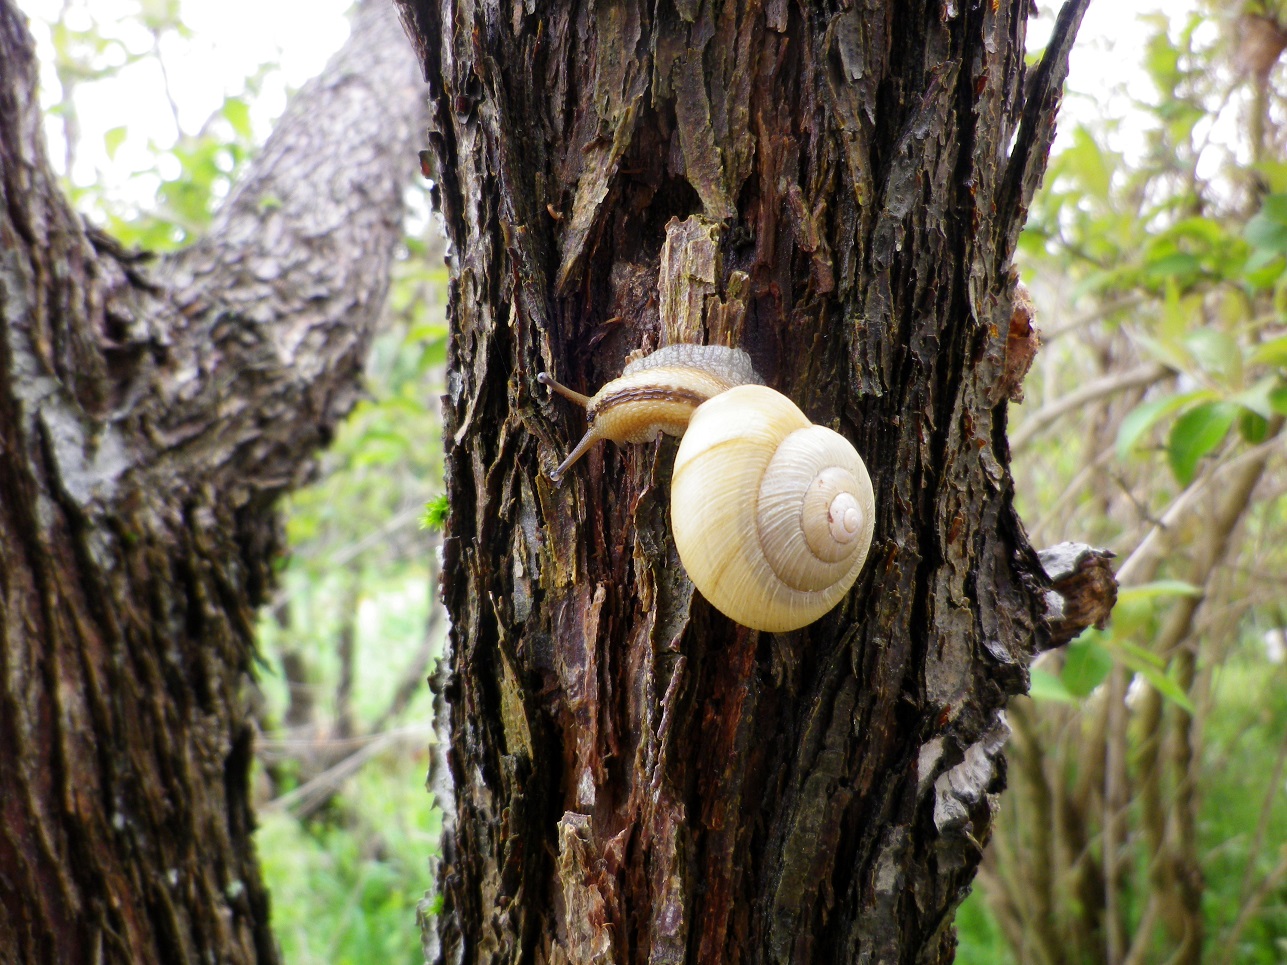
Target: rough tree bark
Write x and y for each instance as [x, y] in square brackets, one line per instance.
[837, 188]
[151, 414]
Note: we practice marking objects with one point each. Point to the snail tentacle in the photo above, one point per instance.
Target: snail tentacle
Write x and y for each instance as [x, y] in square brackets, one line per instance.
[548, 380]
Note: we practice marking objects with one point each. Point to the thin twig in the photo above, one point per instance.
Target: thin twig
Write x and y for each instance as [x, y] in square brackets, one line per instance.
[1087, 473]
[166, 87]
[1249, 910]
[306, 798]
[1096, 314]
[1142, 944]
[1141, 375]
[293, 746]
[413, 679]
[1115, 780]
[344, 555]
[1245, 896]
[1180, 505]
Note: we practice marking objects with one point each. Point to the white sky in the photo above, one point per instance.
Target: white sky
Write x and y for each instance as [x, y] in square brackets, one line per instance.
[231, 39]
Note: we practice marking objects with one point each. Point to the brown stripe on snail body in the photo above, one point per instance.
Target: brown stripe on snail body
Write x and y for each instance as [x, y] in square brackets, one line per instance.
[772, 515]
[655, 394]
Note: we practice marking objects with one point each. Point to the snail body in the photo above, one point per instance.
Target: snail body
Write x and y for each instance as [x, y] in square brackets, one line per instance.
[655, 394]
[772, 515]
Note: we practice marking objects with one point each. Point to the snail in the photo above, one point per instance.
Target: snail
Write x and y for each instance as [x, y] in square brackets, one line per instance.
[772, 515]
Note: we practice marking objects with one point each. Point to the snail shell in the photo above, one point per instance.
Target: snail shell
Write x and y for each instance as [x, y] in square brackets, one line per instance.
[772, 515]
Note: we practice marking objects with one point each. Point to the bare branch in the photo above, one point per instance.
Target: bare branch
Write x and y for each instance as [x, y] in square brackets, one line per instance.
[312, 794]
[1109, 385]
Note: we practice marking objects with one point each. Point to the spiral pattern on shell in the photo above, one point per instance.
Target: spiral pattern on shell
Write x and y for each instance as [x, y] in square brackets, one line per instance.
[772, 515]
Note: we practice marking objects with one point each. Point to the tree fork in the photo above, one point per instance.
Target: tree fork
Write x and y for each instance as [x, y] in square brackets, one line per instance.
[150, 416]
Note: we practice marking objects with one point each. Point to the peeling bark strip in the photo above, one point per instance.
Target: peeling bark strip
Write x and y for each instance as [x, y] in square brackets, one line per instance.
[828, 187]
[150, 417]
[1083, 590]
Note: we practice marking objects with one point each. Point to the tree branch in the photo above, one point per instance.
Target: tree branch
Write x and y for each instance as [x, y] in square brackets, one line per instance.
[1037, 123]
[1145, 374]
[148, 420]
[279, 301]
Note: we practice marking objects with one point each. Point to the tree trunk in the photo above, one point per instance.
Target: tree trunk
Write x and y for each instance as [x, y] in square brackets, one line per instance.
[837, 189]
[150, 417]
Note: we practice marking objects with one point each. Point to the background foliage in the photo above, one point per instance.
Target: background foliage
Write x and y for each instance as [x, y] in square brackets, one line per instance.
[1145, 821]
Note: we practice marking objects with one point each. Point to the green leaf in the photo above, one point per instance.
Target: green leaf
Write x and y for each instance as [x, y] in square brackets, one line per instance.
[1165, 685]
[1217, 353]
[1253, 427]
[1263, 268]
[435, 514]
[1133, 651]
[431, 331]
[1195, 434]
[1273, 352]
[1046, 686]
[1177, 318]
[1147, 591]
[1177, 264]
[1275, 206]
[1147, 665]
[1267, 230]
[378, 452]
[237, 112]
[1207, 231]
[113, 139]
[434, 355]
[1092, 168]
[1137, 606]
[1171, 353]
[1278, 400]
[1273, 173]
[1162, 61]
[1086, 664]
[1140, 419]
[1259, 398]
